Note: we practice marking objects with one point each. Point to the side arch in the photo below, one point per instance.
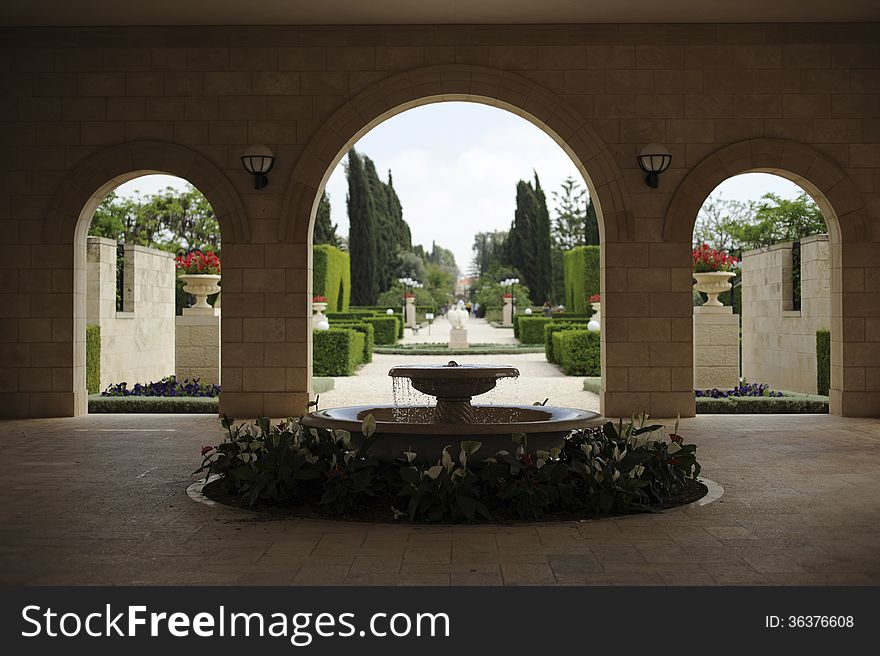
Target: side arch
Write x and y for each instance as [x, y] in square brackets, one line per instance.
[497, 88]
[111, 166]
[836, 194]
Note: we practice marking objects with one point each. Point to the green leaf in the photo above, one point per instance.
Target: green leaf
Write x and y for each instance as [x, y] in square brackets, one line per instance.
[368, 427]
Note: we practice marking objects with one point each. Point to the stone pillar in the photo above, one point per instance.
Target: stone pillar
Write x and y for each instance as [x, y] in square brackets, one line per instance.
[458, 338]
[507, 315]
[197, 347]
[410, 317]
[716, 348]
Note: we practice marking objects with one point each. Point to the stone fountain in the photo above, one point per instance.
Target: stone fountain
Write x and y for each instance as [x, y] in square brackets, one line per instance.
[426, 429]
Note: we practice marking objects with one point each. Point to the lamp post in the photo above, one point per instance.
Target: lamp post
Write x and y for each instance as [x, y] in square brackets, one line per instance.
[509, 308]
[409, 316]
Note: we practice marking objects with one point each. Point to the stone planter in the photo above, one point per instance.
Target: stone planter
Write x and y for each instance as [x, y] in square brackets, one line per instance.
[318, 315]
[597, 311]
[713, 283]
[200, 285]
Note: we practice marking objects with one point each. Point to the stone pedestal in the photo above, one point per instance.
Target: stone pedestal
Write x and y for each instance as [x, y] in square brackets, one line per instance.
[410, 317]
[507, 313]
[197, 347]
[716, 348]
[458, 338]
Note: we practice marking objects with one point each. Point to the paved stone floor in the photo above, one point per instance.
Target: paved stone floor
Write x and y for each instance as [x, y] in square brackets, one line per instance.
[101, 500]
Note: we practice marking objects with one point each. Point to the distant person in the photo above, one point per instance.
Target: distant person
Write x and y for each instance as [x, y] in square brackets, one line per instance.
[546, 309]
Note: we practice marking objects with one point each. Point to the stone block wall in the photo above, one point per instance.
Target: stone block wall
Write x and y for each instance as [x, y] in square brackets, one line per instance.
[137, 344]
[198, 348]
[779, 343]
[83, 109]
[716, 348]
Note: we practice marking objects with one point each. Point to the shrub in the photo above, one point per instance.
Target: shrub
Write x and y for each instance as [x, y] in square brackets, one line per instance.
[749, 405]
[622, 468]
[331, 276]
[337, 351]
[386, 327]
[154, 404]
[823, 361]
[531, 329]
[745, 388]
[369, 335]
[581, 277]
[553, 327]
[93, 358]
[580, 353]
[167, 387]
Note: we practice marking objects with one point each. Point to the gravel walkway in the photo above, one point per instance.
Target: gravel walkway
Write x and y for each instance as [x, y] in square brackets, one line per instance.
[538, 378]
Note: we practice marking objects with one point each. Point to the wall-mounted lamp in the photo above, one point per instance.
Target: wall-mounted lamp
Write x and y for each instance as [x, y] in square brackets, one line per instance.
[653, 160]
[258, 161]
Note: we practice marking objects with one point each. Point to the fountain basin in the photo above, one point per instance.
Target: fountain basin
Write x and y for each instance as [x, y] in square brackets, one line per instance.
[411, 428]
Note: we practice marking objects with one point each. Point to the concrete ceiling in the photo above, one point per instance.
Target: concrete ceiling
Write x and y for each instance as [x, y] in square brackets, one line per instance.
[380, 12]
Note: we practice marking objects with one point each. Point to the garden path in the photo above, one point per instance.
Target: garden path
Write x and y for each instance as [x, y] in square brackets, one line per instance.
[538, 379]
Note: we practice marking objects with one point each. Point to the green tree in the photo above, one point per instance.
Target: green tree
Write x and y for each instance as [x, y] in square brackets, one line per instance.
[325, 229]
[777, 219]
[362, 234]
[172, 220]
[569, 226]
[718, 218]
[529, 239]
[591, 225]
[490, 249]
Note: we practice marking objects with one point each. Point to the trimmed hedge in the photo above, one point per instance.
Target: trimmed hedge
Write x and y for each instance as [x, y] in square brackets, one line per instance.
[580, 354]
[581, 277]
[823, 361]
[747, 405]
[93, 358]
[331, 276]
[388, 327]
[551, 328]
[369, 335]
[337, 351]
[531, 329]
[154, 404]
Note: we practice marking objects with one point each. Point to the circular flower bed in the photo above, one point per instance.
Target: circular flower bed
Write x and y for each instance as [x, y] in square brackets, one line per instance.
[611, 470]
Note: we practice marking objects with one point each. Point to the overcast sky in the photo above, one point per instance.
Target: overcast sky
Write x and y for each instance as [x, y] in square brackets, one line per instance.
[455, 167]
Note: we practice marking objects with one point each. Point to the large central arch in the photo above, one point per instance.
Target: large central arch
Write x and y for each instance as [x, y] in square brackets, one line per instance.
[398, 93]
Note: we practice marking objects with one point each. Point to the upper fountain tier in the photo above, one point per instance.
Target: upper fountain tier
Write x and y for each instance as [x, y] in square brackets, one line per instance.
[454, 380]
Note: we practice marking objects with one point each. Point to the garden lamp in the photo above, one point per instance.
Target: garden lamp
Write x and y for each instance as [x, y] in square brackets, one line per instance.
[258, 161]
[653, 160]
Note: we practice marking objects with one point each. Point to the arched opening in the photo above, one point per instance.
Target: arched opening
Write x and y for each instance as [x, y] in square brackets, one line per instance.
[151, 240]
[67, 226]
[506, 90]
[842, 208]
[476, 206]
[764, 344]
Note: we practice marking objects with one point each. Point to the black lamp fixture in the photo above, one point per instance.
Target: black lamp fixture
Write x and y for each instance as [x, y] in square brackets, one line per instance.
[653, 160]
[258, 161]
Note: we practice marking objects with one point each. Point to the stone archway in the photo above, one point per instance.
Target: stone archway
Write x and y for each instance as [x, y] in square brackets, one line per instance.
[68, 219]
[502, 89]
[845, 212]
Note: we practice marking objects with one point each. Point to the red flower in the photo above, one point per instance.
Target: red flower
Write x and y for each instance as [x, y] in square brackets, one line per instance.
[198, 262]
[709, 259]
[319, 299]
[206, 450]
[508, 296]
[595, 298]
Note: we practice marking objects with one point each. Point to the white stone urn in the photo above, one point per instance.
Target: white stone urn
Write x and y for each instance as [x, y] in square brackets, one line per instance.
[713, 283]
[318, 315]
[597, 311]
[201, 285]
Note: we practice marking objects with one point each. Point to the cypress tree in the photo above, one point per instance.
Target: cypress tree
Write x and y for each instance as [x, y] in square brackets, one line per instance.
[362, 236]
[591, 225]
[543, 246]
[528, 243]
[325, 230]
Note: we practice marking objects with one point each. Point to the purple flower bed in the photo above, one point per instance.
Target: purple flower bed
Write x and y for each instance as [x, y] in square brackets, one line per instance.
[167, 387]
[743, 389]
